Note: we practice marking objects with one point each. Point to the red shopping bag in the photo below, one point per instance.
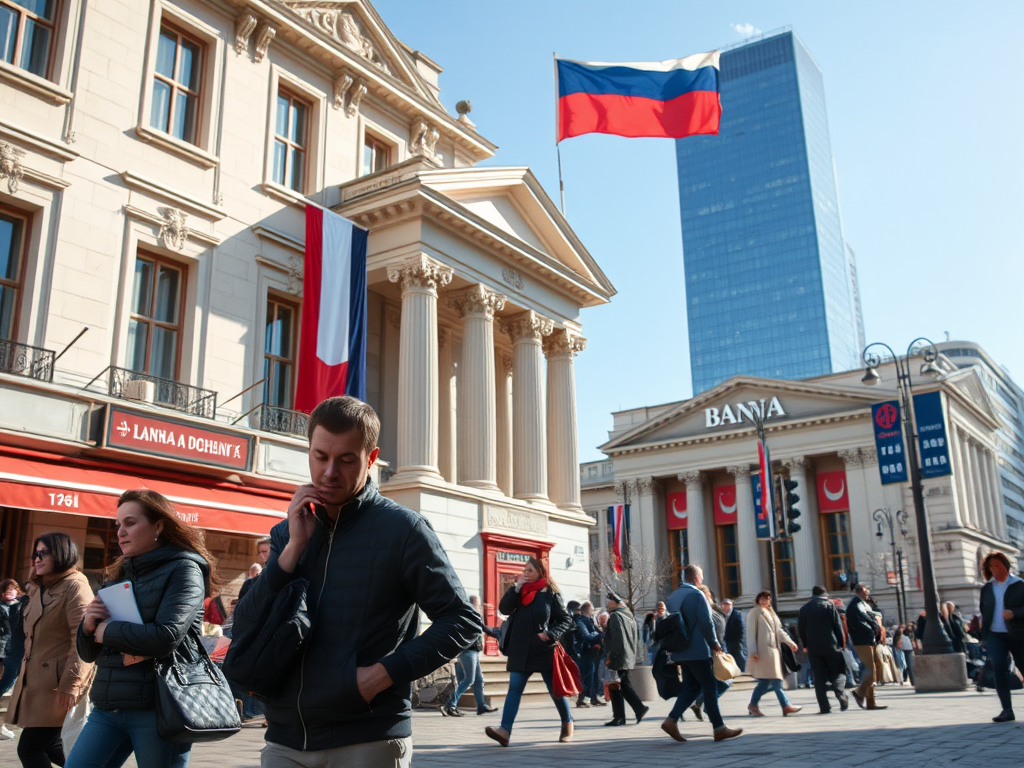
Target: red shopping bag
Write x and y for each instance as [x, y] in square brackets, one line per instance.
[565, 675]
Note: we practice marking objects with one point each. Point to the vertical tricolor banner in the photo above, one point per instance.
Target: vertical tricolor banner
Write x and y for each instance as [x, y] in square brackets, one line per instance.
[332, 352]
[766, 507]
[619, 517]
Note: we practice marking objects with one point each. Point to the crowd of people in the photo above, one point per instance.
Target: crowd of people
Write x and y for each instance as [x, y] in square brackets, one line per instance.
[328, 668]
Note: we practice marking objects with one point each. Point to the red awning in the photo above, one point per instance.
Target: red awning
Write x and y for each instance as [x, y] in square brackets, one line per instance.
[50, 483]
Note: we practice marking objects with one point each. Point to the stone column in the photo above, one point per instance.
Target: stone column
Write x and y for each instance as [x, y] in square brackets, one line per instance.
[504, 423]
[861, 525]
[997, 495]
[650, 547]
[696, 520]
[989, 490]
[958, 478]
[418, 409]
[446, 456]
[806, 551]
[529, 430]
[970, 505]
[746, 534]
[980, 513]
[563, 450]
[478, 428]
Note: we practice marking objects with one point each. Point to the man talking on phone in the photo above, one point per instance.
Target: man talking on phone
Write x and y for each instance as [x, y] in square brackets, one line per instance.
[372, 565]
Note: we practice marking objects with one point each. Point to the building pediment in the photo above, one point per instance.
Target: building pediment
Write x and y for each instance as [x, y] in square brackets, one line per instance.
[732, 406]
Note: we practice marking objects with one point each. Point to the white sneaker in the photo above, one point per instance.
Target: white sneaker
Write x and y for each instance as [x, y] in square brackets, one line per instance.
[6, 733]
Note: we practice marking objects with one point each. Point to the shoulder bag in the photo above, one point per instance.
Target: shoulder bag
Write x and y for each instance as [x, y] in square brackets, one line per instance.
[193, 700]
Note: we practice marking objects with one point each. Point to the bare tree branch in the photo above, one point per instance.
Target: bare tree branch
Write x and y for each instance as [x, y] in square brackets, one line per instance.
[647, 574]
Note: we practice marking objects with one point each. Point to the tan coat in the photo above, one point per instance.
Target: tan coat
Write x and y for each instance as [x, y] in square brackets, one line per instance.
[51, 664]
[765, 637]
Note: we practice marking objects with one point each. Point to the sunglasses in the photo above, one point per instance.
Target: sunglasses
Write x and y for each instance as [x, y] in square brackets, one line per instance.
[39, 554]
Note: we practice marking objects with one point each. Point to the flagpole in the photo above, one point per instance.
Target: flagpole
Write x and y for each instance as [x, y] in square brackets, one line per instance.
[558, 146]
[768, 487]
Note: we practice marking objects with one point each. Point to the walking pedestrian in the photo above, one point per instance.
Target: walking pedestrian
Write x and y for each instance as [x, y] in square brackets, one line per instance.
[12, 607]
[719, 620]
[735, 634]
[621, 642]
[765, 637]
[469, 673]
[589, 644]
[907, 646]
[369, 564]
[537, 619]
[262, 556]
[695, 659]
[955, 627]
[820, 630]
[864, 632]
[1002, 624]
[53, 675]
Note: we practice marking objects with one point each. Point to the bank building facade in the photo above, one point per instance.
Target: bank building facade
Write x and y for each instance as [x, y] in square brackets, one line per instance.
[156, 159]
[689, 469]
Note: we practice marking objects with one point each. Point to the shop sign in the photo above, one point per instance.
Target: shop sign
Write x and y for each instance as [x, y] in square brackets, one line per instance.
[931, 435]
[512, 557]
[892, 459]
[515, 521]
[174, 439]
[737, 412]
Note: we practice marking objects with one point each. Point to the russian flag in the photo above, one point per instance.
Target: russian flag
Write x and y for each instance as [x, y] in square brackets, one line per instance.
[619, 515]
[332, 350]
[658, 99]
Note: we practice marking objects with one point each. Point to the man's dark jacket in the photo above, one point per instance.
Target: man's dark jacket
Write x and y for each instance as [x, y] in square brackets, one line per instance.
[819, 626]
[860, 623]
[735, 634]
[369, 574]
[586, 635]
[620, 638]
[169, 586]
[546, 613]
[1013, 600]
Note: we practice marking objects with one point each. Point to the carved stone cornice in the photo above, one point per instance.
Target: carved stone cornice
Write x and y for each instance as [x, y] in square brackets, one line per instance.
[796, 464]
[476, 301]
[174, 228]
[423, 140]
[740, 471]
[563, 343]
[245, 24]
[341, 85]
[264, 34]
[11, 167]
[358, 92]
[869, 457]
[526, 325]
[340, 24]
[647, 486]
[851, 458]
[421, 272]
[693, 478]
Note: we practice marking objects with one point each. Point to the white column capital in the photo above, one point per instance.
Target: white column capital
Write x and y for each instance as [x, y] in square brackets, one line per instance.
[563, 343]
[851, 458]
[796, 464]
[740, 471]
[693, 479]
[526, 325]
[647, 486]
[506, 364]
[421, 273]
[477, 300]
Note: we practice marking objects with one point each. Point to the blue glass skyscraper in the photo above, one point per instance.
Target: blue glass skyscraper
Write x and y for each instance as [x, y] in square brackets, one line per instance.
[770, 285]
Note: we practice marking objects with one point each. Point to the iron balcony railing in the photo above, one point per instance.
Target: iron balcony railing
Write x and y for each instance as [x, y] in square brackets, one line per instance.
[26, 360]
[144, 388]
[270, 418]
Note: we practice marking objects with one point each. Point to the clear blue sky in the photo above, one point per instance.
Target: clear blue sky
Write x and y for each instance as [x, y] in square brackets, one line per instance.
[926, 111]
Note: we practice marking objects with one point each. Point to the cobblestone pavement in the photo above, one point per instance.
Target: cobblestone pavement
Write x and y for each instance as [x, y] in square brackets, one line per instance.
[916, 730]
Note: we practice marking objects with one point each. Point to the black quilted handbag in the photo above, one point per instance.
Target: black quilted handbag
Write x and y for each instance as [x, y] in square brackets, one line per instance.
[194, 702]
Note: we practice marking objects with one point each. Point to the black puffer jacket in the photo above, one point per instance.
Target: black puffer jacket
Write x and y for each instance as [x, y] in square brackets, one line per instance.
[369, 574]
[860, 623]
[546, 613]
[169, 585]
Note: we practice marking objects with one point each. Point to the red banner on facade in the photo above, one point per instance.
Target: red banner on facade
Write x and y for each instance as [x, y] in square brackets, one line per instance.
[174, 439]
[725, 504]
[833, 495]
[675, 510]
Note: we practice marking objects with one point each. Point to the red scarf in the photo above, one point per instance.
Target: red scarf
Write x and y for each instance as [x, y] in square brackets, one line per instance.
[530, 589]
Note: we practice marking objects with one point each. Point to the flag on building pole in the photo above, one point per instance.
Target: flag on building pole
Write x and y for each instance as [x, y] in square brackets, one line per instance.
[619, 516]
[767, 485]
[658, 99]
[332, 349]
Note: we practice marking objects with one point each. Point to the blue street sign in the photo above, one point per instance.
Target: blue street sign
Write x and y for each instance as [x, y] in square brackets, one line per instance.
[932, 442]
[892, 458]
[764, 527]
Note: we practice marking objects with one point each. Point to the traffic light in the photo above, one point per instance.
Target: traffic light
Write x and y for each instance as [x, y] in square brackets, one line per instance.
[792, 513]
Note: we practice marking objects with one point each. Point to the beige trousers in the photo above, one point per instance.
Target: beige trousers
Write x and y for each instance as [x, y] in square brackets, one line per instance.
[393, 753]
[868, 657]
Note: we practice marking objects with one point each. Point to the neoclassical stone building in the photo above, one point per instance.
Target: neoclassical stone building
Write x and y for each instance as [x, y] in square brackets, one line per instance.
[688, 471]
[156, 159]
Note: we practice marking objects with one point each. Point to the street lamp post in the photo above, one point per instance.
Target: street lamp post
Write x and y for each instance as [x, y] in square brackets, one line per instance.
[935, 640]
[884, 515]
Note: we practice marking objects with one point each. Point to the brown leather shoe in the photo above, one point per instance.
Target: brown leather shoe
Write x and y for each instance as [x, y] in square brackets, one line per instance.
[671, 727]
[500, 735]
[790, 709]
[754, 711]
[878, 706]
[566, 735]
[727, 733]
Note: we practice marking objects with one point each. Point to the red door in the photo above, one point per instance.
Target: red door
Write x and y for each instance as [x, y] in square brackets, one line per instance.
[504, 558]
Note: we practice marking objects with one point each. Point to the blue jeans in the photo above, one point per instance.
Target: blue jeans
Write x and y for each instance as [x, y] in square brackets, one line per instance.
[12, 667]
[469, 673]
[698, 678]
[763, 686]
[516, 686]
[109, 738]
[588, 674]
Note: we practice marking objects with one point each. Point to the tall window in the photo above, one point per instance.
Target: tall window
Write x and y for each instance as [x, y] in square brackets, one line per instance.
[27, 34]
[176, 83]
[376, 155]
[785, 570]
[12, 232]
[154, 330]
[279, 354]
[836, 541]
[291, 137]
[682, 549]
[728, 560]
[101, 548]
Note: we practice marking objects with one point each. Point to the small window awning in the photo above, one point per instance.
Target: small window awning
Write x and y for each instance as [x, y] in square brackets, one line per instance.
[51, 483]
